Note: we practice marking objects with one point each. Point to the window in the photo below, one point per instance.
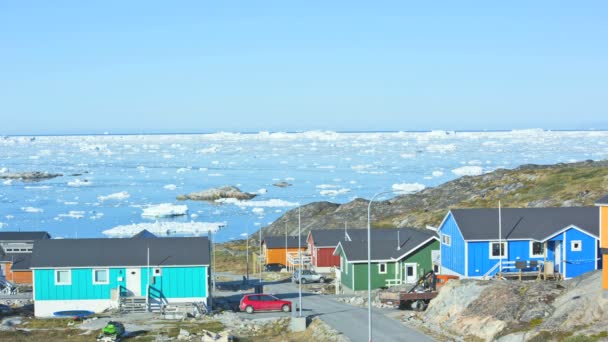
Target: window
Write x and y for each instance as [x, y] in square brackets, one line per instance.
[435, 268]
[101, 276]
[409, 270]
[446, 239]
[63, 277]
[576, 245]
[157, 272]
[537, 249]
[382, 268]
[498, 250]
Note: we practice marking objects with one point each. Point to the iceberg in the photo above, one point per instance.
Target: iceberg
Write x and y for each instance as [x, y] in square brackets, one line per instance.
[407, 188]
[78, 183]
[31, 210]
[468, 171]
[165, 210]
[269, 203]
[115, 196]
[165, 228]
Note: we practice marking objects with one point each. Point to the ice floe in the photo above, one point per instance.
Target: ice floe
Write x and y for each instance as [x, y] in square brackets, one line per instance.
[164, 210]
[437, 173]
[468, 171]
[115, 196]
[267, 203]
[76, 214]
[407, 188]
[166, 228]
[31, 210]
[80, 182]
[334, 192]
[170, 187]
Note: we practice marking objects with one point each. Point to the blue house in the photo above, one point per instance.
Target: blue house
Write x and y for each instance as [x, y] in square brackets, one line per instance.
[566, 237]
[100, 274]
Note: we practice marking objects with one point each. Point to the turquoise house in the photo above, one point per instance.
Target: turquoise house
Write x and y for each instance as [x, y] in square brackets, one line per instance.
[99, 274]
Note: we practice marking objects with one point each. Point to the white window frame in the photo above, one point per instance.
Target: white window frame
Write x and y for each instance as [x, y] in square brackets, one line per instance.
[449, 238]
[101, 282]
[345, 265]
[69, 278]
[580, 245]
[380, 268]
[505, 249]
[532, 255]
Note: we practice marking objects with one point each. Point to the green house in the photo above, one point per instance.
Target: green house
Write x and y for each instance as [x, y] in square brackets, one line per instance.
[396, 259]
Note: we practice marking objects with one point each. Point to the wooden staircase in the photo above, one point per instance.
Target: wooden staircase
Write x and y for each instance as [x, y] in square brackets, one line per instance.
[133, 304]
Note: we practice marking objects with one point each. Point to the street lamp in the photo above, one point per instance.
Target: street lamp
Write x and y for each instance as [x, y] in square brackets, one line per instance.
[369, 264]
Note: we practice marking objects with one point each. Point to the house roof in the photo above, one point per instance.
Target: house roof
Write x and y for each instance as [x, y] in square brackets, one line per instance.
[24, 236]
[382, 249]
[331, 237]
[279, 241]
[524, 223]
[20, 261]
[603, 200]
[174, 251]
[144, 234]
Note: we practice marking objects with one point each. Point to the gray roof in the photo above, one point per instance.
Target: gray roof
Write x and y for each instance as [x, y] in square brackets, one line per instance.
[524, 223]
[20, 261]
[331, 237]
[410, 238]
[23, 236]
[144, 234]
[603, 200]
[279, 241]
[171, 251]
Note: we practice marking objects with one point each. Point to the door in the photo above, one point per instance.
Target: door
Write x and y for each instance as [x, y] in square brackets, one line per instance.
[133, 282]
[410, 272]
[558, 256]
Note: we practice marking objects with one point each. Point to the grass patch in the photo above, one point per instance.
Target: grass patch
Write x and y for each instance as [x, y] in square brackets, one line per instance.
[74, 335]
[535, 323]
[48, 323]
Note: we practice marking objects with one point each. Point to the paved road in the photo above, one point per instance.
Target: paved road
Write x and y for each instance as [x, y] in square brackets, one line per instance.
[347, 319]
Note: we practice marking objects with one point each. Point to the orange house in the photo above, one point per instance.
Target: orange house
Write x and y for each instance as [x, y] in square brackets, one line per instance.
[15, 253]
[276, 248]
[603, 204]
[16, 268]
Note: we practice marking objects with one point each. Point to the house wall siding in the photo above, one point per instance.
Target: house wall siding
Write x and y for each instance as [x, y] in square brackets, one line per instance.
[581, 262]
[422, 258]
[325, 258]
[177, 282]
[452, 257]
[378, 280]
[81, 288]
[278, 255]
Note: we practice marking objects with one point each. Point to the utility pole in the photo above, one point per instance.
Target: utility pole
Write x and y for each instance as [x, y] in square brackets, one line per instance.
[247, 237]
[300, 253]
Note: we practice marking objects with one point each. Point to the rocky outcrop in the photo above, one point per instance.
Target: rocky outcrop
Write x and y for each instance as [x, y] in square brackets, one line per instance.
[217, 193]
[34, 176]
[513, 311]
[281, 184]
[574, 184]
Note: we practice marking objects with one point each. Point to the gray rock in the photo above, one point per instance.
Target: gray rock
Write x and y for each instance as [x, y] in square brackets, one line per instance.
[281, 184]
[29, 176]
[217, 193]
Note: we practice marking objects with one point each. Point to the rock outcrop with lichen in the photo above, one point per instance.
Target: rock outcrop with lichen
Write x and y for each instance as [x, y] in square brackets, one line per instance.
[217, 193]
[574, 184]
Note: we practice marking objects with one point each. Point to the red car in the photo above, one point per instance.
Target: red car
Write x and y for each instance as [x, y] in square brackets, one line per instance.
[263, 302]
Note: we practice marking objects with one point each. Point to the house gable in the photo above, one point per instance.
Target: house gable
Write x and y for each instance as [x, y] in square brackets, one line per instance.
[453, 254]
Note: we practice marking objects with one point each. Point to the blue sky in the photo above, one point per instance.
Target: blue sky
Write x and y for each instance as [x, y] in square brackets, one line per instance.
[202, 66]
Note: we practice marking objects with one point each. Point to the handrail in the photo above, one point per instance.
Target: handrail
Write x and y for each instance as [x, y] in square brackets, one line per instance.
[491, 270]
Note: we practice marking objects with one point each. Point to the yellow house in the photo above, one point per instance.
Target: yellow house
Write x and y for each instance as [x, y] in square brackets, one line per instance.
[603, 204]
[276, 248]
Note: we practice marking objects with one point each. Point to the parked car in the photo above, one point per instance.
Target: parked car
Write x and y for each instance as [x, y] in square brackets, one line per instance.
[263, 302]
[276, 267]
[308, 276]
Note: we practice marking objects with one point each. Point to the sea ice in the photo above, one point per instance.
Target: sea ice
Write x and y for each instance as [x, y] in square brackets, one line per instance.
[170, 187]
[78, 183]
[115, 196]
[165, 210]
[438, 148]
[437, 173]
[258, 211]
[407, 188]
[71, 214]
[276, 203]
[165, 228]
[468, 171]
[333, 192]
[31, 210]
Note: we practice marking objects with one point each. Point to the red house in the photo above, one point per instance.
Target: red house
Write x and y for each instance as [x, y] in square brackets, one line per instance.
[323, 242]
[321, 246]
